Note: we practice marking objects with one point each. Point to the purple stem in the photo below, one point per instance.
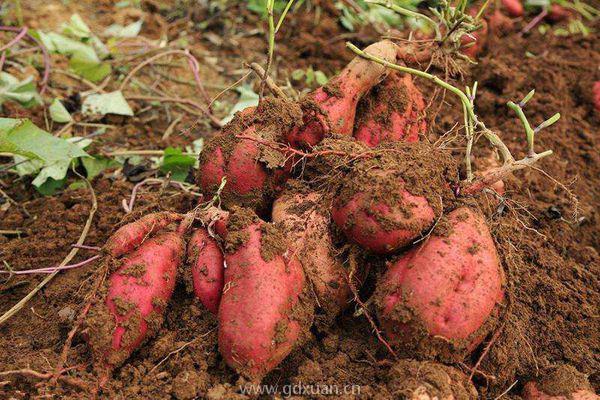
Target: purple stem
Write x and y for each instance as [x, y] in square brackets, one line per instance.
[49, 270]
[45, 54]
[15, 40]
[84, 247]
[535, 21]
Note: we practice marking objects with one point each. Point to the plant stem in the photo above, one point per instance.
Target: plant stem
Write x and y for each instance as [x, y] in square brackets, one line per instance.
[528, 129]
[271, 20]
[283, 14]
[18, 12]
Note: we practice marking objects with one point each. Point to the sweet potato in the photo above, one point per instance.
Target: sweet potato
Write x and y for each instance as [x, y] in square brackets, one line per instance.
[478, 38]
[332, 108]
[446, 288]
[303, 216]
[514, 8]
[135, 300]
[596, 95]
[379, 225]
[557, 13]
[132, 235]
[560, 383]
[253, 170]
[206, 263]
[260, 315]
[422, 380]
[391, 111]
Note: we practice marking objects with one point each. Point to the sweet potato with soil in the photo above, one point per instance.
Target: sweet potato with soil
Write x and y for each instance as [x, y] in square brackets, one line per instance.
[422, 380]
[132, 235]
[560, 383]
[254, 171]
[391, 111]
[447, 288]
[135, 300]
[388, 201]
[514, 8]
[332, 108]
[207, 267]
[302, 214]
[557, 13]
[261, 317]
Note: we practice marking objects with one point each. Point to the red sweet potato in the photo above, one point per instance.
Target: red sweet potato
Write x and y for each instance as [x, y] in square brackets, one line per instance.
[596, 95]
[332, 108]
[135, 300]
[382, 220]
[206, 263]
[132, 235]
[514, 8]
[391, 111]
[479, 38]
[563, 382]
[303, 216]
[557, 13]
[259, 321]
[448, 287]
[245, 174]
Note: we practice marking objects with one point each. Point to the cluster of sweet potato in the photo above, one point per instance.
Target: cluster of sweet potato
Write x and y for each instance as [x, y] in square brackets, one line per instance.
[319, 194]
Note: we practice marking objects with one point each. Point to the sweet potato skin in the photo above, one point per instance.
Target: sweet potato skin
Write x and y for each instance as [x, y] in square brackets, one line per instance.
[245, 174]
[332, 108]
[136, 298]
[532, 392]
[479, 38]
[514, 8]
[302, 217]
[132, 235]
[448, 286]
[206, 263]
[392, 111]
[256, 327]
[360, 220]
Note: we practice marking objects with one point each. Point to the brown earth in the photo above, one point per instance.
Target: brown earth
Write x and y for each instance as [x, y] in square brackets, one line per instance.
[548, 243]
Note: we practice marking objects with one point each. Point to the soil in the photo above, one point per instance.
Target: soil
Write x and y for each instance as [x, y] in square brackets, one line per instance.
[546, 232]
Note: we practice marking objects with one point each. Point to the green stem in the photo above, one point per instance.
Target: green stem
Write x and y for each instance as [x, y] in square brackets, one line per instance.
[283, 14]
[408, 13]
[528, 129]
[271, 20]
[18, 12]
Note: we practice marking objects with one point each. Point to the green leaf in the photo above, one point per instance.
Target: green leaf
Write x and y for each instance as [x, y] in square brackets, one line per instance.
[23, 92]
[94, 166]
[37, 150]
[129, 31]
[59, 113]
[76, 27]
[79, 184]
[92, 71]
[50, 187]
[57, 43]
[106, 103]
[178, 164]
[248, 98]
[298, 74]
[321, 78]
